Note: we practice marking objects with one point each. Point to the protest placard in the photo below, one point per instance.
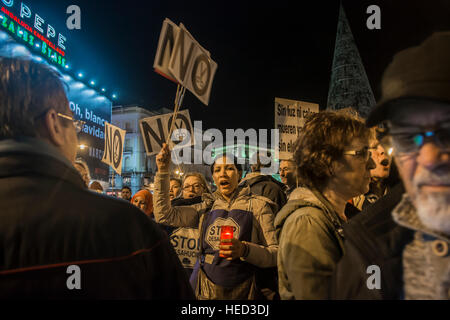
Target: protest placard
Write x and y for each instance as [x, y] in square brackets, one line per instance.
[289, 119]
[180, 58]
[112, 154]
[155, 131]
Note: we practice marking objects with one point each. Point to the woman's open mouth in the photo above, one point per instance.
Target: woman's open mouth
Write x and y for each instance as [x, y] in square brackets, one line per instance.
[224, 184]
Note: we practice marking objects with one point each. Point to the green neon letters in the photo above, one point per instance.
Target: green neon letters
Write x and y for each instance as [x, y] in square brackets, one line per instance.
[21, 33]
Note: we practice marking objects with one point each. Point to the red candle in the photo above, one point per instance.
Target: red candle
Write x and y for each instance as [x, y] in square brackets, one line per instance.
[226, 234]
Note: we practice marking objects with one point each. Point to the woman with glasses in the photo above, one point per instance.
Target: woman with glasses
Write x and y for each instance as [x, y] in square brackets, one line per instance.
[194, 184]
[333, 163]
[185, 239]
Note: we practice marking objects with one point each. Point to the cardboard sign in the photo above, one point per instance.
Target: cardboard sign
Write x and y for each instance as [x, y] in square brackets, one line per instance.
[166, 43]
[192, 66]
[114, 140]
[289, 119]
[182, 59]
[155, 130]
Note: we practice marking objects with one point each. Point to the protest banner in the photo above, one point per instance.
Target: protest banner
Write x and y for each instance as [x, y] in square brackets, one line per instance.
[155, 131]
[114, 140]
[289, 119]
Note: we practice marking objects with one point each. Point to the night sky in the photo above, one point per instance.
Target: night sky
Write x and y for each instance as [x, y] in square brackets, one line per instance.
[263, 49]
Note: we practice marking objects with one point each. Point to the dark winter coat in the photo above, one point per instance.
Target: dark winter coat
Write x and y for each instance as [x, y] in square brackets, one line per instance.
[266, 186]
[372, 238]
[49, 221]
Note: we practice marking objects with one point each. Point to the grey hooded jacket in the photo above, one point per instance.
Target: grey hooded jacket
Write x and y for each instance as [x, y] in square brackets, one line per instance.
[310, 245]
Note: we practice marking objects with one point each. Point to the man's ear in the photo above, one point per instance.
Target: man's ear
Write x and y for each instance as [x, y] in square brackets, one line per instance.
[54, 128]
[332, 169]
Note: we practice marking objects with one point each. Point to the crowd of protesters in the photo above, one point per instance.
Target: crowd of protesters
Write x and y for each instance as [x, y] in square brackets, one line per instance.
[357, 195]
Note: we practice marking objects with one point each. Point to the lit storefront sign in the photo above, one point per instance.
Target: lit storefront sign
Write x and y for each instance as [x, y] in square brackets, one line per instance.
[31, 30]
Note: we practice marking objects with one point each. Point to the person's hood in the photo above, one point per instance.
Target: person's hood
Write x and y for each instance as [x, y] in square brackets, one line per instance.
[256, 177]
[249, 176]
[300, 197]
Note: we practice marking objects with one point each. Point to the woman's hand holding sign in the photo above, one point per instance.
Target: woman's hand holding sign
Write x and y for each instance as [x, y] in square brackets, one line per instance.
[163, 159]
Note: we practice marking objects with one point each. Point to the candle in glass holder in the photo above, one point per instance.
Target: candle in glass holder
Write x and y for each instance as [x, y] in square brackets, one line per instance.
[226, 234]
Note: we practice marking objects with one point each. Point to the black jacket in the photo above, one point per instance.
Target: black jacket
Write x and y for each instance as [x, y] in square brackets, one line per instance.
[266, 186]
[49, 221]
[373, 238]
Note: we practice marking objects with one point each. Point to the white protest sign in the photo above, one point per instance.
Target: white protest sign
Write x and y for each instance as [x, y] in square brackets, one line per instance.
[289, 119]
[192, 65]
[166, 43]
[186, 243]
[155, 130]
[112, 154]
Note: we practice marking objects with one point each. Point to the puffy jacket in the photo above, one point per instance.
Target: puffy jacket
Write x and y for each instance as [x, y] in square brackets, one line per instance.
[49, 221]
[311, 244]
[259, 234]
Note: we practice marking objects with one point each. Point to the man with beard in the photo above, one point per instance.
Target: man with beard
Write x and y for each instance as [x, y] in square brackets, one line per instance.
[405, 254]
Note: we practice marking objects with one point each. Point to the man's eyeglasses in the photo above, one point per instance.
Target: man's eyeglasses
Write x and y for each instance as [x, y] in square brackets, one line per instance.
[411, 142]
[364, 153]
[195, 185]
[78, 124]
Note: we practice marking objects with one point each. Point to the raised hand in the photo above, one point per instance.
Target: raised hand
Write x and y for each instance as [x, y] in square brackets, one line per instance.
[163, 159]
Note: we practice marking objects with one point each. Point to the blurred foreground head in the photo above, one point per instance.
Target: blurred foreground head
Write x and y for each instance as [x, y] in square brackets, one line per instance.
[415, 104]
[33, 103]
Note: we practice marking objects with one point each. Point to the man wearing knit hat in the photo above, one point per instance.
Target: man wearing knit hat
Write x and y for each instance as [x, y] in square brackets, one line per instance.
[405, 254]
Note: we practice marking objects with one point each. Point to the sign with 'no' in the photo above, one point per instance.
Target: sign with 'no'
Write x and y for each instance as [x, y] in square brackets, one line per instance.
[155, 131]
[181, 58]
[112, 154]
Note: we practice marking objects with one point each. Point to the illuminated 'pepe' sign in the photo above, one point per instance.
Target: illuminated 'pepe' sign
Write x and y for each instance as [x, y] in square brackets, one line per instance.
[33, 37]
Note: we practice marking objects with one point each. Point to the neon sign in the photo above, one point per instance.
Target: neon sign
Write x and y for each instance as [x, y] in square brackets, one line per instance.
[33, 37]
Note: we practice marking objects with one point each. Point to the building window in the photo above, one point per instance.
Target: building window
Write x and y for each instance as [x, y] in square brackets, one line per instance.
[128, 147]
[127, 164]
